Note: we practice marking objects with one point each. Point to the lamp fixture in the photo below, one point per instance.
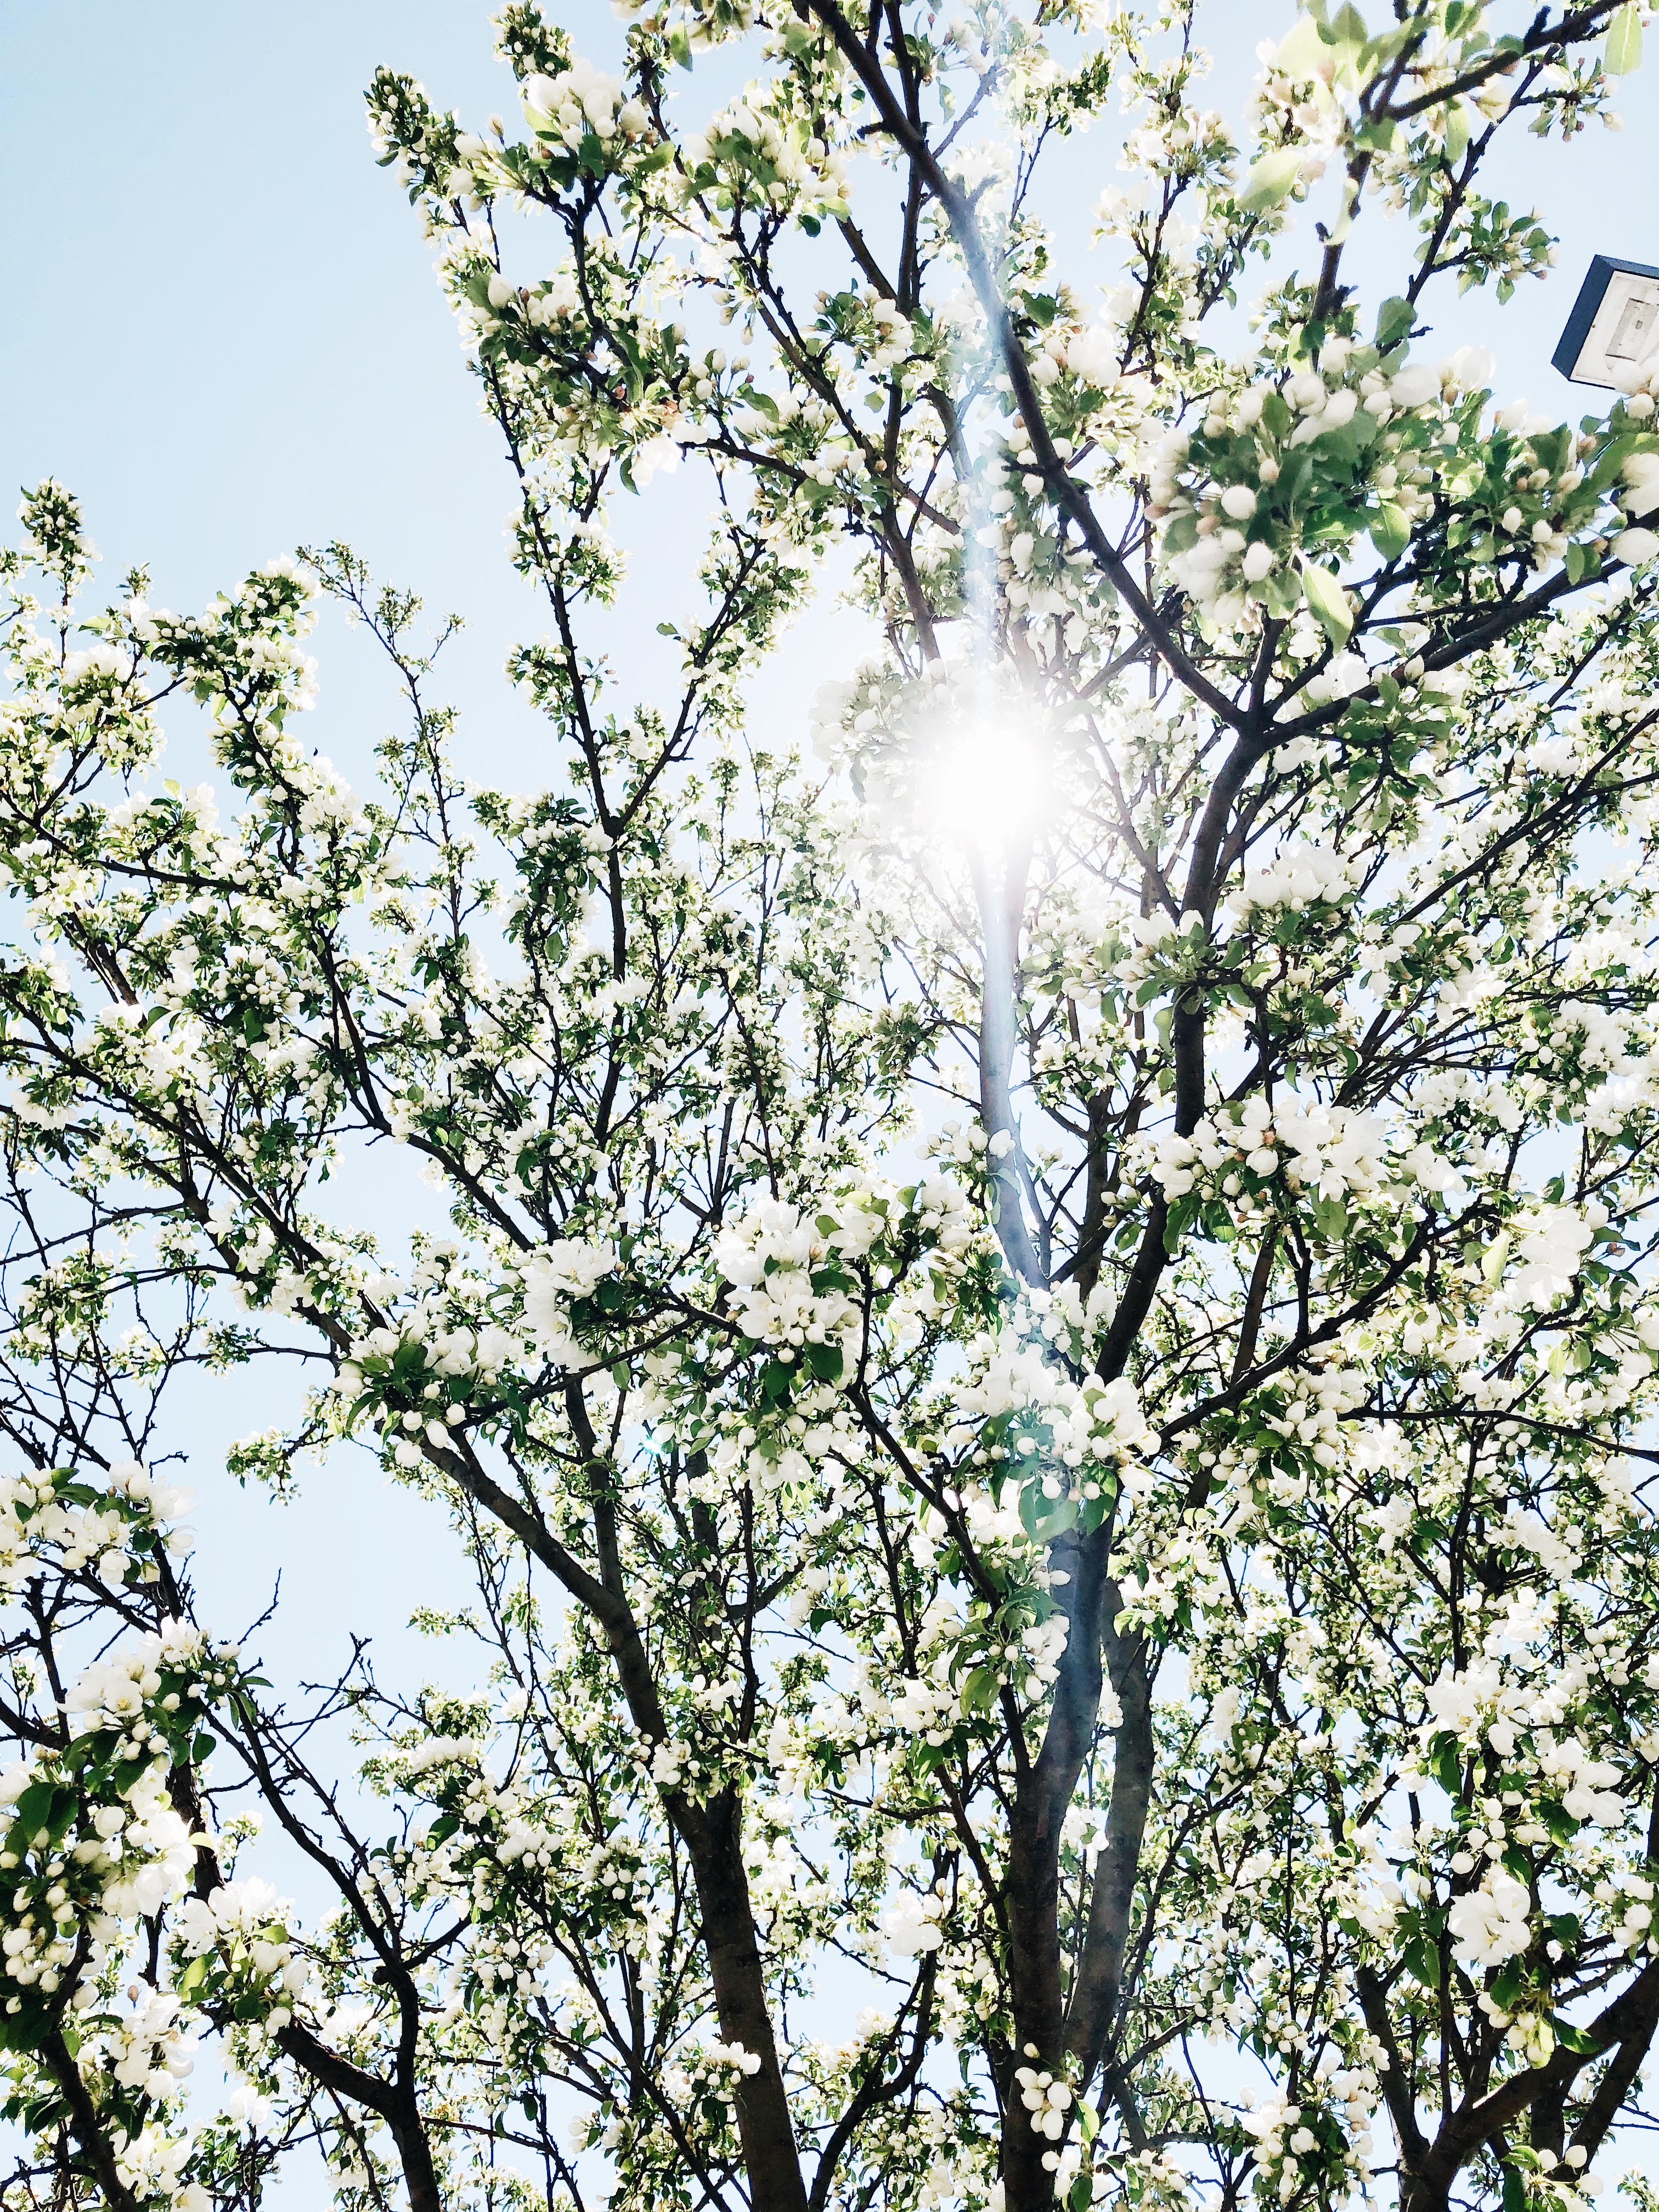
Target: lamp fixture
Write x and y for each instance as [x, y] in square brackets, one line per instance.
[1612, 337]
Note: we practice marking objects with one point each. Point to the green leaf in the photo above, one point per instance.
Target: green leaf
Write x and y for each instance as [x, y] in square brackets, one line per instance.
[824, 1362]
[1329, 601]
[1182, 535]
[1330, 1217]
[1575, 2039]
[1182, 1215]
[980, 1690]
[1423, 1962]
[1560, 1823]
[1507, 1984]
[1283, 594]
[33, 1807]
[1390, 531]
[1624, 53]
[1515, 2190]
[1302, 50]
[1347, 441]
[1270, 180]
[1395, 319]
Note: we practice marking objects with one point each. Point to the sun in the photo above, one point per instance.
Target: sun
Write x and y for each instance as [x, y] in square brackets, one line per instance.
[989, 781]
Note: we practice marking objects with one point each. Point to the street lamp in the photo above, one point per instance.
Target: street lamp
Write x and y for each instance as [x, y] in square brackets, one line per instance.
[1612, 337]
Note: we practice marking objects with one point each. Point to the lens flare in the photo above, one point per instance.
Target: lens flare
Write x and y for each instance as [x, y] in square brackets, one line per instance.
[991, 780]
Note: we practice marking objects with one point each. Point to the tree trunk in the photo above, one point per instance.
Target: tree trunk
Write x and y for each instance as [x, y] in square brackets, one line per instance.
[415, 2157]
[85, 2123]
[712, 1834]
[1031, 1894]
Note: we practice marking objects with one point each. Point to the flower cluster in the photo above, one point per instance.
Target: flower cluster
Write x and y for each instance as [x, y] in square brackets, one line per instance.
[1242, 1151]
[111, 1522]
[579, 99]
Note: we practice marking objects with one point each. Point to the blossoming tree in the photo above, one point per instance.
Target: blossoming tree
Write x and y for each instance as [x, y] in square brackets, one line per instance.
[1044, 1346]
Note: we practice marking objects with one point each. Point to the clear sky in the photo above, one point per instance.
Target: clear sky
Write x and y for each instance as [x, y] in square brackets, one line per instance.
[220, 327]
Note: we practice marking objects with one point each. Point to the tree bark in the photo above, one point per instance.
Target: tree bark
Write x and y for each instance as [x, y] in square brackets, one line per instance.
[399, 2107]
[712, 1834]
[1031, 1892]
[999, 927]
[84, 2121]
[1099, 1978]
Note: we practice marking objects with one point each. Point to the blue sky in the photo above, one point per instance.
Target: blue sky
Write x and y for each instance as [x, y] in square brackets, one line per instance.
[220, 328]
